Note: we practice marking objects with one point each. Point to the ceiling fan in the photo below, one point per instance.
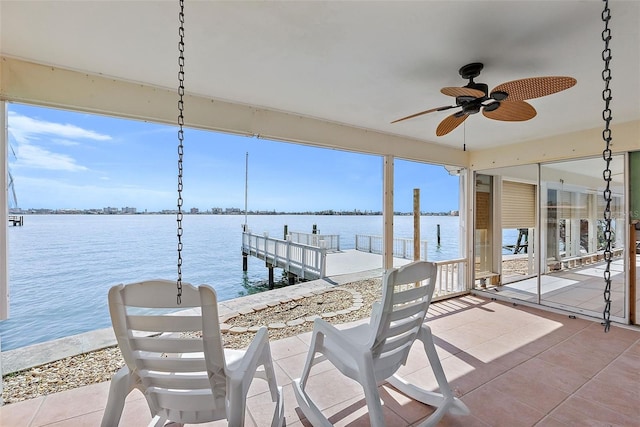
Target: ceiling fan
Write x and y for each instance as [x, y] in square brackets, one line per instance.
[505, 102]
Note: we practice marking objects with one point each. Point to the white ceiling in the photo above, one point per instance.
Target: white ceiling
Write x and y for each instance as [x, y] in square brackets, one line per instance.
[359, 63]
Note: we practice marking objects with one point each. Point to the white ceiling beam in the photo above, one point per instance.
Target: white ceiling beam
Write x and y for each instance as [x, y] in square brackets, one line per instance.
[27, 82]
[586, 143]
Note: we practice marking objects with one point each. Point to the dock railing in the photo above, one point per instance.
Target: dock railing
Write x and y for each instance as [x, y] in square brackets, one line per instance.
[331, 242]
[16, 220]
[305, 261]
[402, 248]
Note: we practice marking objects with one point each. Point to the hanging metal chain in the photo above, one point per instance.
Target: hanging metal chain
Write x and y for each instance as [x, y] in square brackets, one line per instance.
[606, 155]
[180, 146]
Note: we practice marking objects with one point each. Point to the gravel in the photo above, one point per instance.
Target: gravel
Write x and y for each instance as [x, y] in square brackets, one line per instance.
[99, 366]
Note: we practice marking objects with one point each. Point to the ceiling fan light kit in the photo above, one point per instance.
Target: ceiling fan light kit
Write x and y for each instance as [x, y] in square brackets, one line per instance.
[506, 102]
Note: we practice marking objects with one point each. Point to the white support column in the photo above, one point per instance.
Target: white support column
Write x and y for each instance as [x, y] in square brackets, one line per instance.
[387, 213]
[4, 212]
[466, 214]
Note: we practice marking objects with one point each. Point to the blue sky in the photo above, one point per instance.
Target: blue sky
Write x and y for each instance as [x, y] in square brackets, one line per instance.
[69, 160]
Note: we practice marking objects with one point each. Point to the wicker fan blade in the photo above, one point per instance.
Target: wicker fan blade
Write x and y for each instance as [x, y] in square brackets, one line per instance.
[511, 111]
[462, 91]
[450, 123]
[534, 87]
[446, 107]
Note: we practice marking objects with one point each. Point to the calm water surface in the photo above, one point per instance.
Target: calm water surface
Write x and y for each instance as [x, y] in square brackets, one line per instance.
[62, 266]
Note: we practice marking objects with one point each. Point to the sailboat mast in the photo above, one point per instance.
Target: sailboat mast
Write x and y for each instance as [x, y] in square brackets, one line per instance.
[246, 187]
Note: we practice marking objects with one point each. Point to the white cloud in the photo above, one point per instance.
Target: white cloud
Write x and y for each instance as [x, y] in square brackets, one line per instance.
[65, 142]
[25, 128]
[31, 156]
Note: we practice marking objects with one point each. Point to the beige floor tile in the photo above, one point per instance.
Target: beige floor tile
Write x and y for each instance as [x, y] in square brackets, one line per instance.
[331, 388]
[354, 413]
[261, 408]
[292, 366]
[135, 414]
[464, 337]
[559, 377]
[71, 403]
[577, 411]
[621, 396]
[287, 347]
[634, 349]
[458, 421]
[550, 422]
[532, 391]
[20, 413]
[492, 406]
[86, 420]
[625, 370]
[408, 409]
[585, 362]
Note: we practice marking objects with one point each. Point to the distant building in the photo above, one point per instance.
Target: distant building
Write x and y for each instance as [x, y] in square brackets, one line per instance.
[194, 210]
[110, 210]
[129, 210]
[233, 211]
[216, 211]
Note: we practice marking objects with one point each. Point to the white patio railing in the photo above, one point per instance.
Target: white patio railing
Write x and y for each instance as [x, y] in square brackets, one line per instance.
[451, 279]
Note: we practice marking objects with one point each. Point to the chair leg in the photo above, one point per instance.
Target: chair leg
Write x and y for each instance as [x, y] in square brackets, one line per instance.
[237, 405]
[317, 340]
[159, 421]
[310, 410]
[276, 392]
[445, 401]
[122, 384]
[371, 395]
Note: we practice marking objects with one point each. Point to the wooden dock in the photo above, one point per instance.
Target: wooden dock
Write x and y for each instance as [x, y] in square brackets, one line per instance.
[309, 262]
[16, 220]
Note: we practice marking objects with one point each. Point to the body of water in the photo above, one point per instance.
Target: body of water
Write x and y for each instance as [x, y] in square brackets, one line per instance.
[62, 266]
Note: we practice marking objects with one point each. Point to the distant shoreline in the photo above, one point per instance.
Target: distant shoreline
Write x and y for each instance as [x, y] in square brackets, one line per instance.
[174, 212]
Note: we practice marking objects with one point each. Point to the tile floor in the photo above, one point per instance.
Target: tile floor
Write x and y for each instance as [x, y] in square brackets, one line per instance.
[512, 366]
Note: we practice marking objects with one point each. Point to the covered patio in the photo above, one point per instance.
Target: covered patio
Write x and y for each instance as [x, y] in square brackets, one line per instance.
[335, 75]
[511, 365]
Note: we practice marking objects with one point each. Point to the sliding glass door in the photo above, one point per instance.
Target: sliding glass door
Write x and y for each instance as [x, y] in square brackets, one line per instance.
[572, 212]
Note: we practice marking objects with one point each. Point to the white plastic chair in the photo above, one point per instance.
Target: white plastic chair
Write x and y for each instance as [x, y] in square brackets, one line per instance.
[372, 353]
[184, 378]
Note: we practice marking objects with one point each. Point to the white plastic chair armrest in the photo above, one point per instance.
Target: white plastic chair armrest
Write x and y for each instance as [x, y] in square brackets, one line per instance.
[327, 329]
[376, 311]
[252, 356]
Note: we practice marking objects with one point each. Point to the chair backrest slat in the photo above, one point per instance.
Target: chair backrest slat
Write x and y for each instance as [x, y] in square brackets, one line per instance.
[171, 363]
[411, 294]
[407, 310]
[167, 344]
[399, 328]
[177, 382]
[164, 323]
[402, 313]
[149, 294]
